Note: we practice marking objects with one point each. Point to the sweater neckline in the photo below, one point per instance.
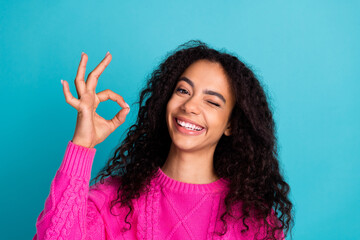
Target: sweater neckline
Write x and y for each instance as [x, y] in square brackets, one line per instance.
[219, 185]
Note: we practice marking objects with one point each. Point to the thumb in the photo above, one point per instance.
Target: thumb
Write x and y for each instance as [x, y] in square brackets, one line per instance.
[119, 118]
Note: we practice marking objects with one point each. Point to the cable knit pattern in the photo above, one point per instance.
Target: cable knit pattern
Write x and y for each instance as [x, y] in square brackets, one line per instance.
[169, 210]
[67, 210]
[155, 209]
[142, 221]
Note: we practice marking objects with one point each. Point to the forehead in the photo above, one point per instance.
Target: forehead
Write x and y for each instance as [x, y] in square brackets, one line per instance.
[209, 75]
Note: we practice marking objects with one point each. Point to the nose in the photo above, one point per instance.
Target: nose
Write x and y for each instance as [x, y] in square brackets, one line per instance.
[191, 105]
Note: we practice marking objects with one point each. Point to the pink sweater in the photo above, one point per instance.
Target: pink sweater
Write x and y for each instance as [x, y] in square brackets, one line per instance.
[171, 210]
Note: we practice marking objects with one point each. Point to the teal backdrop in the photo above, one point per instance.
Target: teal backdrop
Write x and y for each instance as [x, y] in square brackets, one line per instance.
[305, 52]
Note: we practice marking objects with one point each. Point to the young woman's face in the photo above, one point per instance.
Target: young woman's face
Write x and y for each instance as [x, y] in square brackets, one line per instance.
[198, 112]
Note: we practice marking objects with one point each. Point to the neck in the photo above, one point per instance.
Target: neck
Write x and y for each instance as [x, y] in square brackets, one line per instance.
[190, 167]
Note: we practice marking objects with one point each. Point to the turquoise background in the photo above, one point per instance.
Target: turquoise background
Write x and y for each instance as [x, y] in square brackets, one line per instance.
[306, 53]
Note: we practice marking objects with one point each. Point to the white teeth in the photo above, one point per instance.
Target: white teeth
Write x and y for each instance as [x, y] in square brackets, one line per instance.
[188, 125]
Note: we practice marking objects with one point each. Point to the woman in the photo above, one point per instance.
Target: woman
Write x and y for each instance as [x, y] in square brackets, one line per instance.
[200, 162]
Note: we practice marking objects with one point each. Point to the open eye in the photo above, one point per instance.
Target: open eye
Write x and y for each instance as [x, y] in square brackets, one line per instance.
[181, 90]
[215, 104]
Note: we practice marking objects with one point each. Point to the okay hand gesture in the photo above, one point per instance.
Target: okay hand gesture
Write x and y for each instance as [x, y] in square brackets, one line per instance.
[91, 128]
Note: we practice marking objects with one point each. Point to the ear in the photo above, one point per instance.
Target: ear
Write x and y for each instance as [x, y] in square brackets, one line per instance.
[228, 130]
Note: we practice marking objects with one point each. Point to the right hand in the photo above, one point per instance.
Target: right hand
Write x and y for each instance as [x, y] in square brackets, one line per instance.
[91, 129]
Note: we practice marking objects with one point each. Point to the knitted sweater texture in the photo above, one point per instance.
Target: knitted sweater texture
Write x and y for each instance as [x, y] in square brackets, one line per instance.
[170, 210]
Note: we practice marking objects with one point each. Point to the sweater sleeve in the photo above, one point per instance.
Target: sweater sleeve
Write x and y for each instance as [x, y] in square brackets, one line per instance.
[68, 212]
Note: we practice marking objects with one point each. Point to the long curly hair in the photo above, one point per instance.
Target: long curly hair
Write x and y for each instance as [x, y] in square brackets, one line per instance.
[247, 158]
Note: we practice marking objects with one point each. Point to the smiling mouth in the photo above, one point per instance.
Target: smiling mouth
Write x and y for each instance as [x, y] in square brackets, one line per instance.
[188, 126]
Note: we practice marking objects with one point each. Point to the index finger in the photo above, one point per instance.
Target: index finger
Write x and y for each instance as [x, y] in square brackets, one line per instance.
[108, 94]
[93, 77]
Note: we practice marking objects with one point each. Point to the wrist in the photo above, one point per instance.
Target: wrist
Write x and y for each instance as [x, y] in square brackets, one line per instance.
[82, 144]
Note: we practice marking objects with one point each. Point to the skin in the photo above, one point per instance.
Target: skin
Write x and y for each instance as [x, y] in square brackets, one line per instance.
[91, 129]
[190, 158]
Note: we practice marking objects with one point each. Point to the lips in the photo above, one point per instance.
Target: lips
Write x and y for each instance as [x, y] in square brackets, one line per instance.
[188, 127]
[188, 122]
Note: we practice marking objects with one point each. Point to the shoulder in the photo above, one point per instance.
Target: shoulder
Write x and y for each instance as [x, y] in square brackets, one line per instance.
[102, 193]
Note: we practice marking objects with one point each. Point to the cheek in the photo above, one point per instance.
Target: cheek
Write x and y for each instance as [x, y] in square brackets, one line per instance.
[218, 121]
[169, 111]
[172, 105]
[169, 107]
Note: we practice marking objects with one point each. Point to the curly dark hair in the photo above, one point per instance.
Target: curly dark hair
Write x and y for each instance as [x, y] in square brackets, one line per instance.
[247, 158]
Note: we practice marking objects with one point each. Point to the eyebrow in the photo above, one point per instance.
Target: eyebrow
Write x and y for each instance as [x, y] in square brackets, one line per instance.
[209, 92]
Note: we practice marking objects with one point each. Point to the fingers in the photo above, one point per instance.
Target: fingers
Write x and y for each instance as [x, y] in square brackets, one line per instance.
[80, 76]
[120, 117]
[108, 94]
[68, 96]
[93, 77]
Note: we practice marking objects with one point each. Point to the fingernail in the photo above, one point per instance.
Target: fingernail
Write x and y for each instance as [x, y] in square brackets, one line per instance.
[127, 105]
[107, 54]
[62, 82]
